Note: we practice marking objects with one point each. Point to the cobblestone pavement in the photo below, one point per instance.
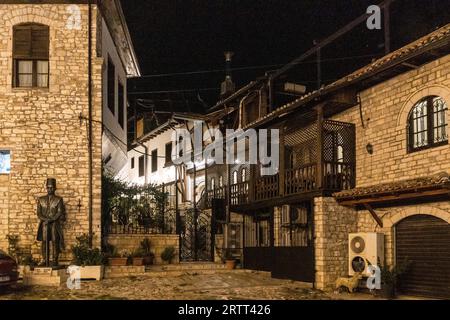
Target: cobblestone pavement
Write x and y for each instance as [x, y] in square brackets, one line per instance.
[223, 286]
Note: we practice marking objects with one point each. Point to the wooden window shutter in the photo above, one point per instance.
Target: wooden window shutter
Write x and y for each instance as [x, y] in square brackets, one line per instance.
[40, 42]
[22, 42]
[31, 41]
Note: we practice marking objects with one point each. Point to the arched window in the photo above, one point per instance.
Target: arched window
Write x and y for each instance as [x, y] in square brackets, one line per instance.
[220, 181]
[243, 175]
[235, 177]
[213, 183]
[30, 55]
[427, 124]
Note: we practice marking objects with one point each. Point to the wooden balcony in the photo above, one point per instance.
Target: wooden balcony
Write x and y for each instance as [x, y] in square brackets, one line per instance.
[318, 159]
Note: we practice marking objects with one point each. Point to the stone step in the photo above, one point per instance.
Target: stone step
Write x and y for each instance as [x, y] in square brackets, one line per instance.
[187, 266]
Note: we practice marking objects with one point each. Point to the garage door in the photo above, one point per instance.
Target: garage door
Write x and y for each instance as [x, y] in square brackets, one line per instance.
[425, 241]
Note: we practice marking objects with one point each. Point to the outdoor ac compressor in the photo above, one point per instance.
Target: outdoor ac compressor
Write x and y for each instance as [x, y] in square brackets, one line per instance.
[364, 249]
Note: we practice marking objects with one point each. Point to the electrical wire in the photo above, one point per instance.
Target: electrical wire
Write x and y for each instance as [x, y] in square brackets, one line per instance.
[252, 67]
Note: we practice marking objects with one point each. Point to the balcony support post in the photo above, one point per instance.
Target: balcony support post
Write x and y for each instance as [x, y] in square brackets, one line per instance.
[282, 165]
[320, 167]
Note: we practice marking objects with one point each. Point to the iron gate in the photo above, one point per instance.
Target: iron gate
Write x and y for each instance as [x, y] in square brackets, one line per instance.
[281, 243]
[196, 235]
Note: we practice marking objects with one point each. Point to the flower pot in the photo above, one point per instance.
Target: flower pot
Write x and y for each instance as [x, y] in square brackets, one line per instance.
[148, 260]
[117, 261]
[92, 272]
[138, 261]
[387, 291]
[230, 264]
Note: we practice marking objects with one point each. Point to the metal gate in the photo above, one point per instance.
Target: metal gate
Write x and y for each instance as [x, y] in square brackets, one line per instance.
[196, 235]
[281, 243]
[424, 241]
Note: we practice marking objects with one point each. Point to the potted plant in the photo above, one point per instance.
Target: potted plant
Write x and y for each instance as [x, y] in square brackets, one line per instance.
[389, 278]
[168, 254]
[229, 259]
[147, 254]
[26, 264]
[88, 259]
[137, 258]
[118, 258]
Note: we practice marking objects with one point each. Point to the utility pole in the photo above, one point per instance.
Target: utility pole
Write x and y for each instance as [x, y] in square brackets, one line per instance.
[319, 64]
[387, 27]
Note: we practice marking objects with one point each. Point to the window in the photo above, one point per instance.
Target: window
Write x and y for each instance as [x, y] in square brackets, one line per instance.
[111, 86]
[235, 177]
[213, 183]
[121, 107]
[427, 124]
[220, 181]
[141, 166]
[168, 153]
[5, 162]
[244, 175]
[31, 55]
[132, 163]
[155, 160]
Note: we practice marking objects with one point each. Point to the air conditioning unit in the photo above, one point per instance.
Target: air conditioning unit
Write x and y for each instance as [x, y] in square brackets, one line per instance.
[364, 249]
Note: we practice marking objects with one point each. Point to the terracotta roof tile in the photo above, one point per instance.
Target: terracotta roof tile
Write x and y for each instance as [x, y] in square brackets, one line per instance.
[440, 179]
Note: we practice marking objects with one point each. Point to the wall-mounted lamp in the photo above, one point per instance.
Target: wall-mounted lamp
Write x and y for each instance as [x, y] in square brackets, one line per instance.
[369, 148]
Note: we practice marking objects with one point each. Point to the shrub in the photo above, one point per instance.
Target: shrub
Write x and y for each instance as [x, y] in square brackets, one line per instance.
[85, 256]
[168, 254]
[145, 247]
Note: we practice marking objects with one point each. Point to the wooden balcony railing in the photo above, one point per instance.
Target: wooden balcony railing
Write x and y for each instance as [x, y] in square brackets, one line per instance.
[239, 193]
[338, 176]
[267, 187]
[301, 179]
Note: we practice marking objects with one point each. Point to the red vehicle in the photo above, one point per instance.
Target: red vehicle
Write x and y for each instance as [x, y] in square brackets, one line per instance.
[8, 270]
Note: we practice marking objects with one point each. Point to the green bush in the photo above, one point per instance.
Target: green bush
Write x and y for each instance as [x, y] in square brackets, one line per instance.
[85, 256]
[168, 254]
[145, 247]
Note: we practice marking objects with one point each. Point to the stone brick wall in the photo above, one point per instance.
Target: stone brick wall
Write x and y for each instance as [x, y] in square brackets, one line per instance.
[4, 204]
[385, 111]
[159, 242]
[42, 129]
[332, 224]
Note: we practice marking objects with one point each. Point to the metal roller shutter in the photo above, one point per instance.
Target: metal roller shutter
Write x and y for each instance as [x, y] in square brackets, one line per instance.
[425, 241]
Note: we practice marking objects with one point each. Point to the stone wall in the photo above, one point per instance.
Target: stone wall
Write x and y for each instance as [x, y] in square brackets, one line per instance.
[159, 242]
[332, 224]
[4, 204]
[41, 127]
[385, 110]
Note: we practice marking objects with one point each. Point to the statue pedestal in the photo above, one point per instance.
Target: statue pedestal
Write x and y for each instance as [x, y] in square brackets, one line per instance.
[45, 277]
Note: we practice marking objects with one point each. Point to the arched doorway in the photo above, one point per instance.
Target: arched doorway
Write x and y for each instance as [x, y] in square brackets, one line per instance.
[424, 240]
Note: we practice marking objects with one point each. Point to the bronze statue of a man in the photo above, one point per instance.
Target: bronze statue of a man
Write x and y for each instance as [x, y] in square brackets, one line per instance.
[51, 213]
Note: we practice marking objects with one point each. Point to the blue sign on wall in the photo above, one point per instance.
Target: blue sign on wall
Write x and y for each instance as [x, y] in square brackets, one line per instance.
[5, 161]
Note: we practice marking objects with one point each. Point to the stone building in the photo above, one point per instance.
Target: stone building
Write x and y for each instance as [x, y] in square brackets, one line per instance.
[367, 153]
[46, 107]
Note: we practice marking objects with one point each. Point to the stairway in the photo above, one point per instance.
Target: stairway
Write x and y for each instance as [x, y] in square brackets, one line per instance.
[186, 268]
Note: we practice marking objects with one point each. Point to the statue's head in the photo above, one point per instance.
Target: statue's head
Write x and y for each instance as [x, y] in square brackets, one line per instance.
[51, 186]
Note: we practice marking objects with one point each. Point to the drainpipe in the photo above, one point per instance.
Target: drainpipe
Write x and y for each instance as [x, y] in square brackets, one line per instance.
[90, 121]
[145, 161]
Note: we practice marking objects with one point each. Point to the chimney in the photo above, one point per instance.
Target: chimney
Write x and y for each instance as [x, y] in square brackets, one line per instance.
[227, 87]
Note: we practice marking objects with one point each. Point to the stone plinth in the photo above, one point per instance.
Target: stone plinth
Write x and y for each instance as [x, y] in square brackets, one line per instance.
[45, 277]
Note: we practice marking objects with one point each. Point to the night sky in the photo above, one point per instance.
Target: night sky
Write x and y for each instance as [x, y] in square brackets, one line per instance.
[185, 36]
